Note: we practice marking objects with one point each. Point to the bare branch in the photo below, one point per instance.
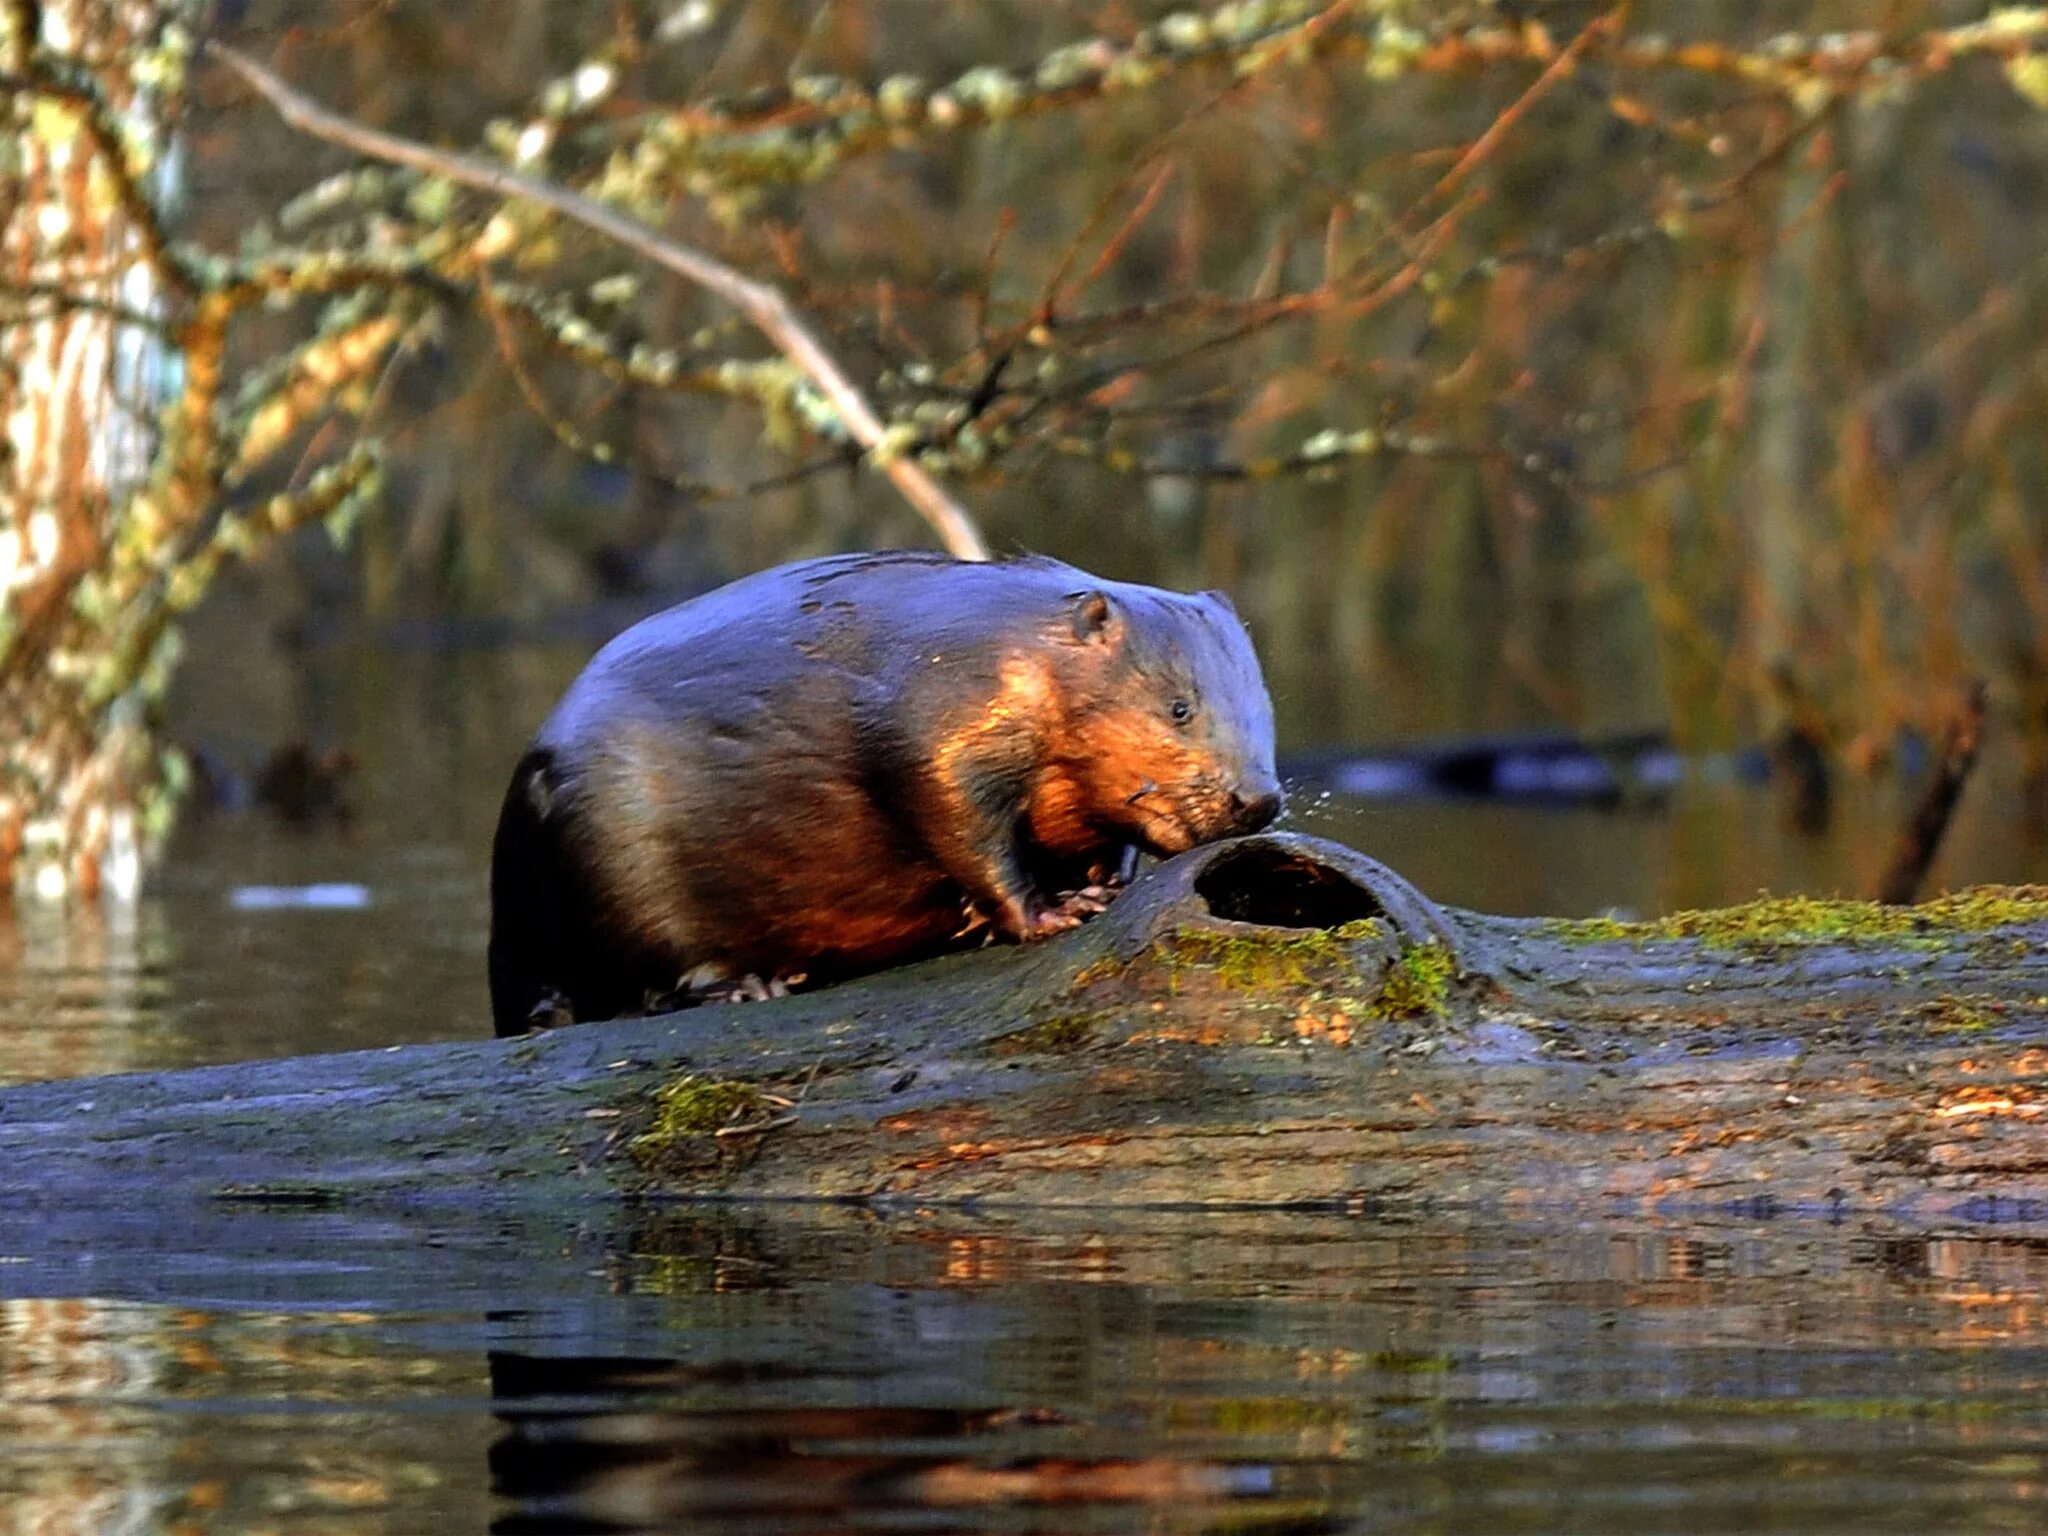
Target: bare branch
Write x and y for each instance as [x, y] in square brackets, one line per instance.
[764, 305]
[1504, 123]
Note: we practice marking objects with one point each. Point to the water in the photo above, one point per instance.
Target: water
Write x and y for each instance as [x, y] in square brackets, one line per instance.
[803, 1369]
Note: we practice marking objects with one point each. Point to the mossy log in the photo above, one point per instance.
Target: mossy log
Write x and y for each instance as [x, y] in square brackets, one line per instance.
[1273, 1021]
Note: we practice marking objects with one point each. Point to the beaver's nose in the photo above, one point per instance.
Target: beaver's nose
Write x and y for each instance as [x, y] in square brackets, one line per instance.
[1257, 811]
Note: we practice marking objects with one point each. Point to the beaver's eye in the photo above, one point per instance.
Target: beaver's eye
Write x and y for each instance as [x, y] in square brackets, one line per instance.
[1182, 711]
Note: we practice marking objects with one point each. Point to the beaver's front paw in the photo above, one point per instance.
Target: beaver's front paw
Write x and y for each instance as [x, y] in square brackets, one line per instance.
[1027, 919]
[1087, 901]
[1069, 909]
[1043, 921]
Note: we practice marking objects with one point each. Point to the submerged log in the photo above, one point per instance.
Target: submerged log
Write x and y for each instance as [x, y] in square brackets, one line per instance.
[1272, 1021]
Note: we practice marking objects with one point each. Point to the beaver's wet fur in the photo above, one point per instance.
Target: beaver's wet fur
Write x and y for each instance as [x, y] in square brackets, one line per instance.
[840, 764]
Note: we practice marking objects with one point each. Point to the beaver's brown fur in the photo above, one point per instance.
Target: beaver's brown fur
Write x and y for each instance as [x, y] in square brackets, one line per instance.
[838, 765]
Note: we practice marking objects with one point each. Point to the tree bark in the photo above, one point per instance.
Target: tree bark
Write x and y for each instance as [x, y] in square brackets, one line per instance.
[89, 99]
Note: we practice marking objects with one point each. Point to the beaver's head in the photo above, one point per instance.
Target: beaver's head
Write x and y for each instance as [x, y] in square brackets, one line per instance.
[1172, 732]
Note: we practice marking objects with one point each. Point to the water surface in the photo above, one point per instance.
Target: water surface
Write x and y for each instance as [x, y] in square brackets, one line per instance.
[802, 1370]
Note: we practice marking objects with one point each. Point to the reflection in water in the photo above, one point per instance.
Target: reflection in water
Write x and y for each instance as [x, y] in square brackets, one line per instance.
[611, 1452]
[66, 1367]
[120, 1418]
[806, 1370]
[81, 992]
[1265, 1374]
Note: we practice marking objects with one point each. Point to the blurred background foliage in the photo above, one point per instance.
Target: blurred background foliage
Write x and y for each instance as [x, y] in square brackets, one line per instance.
[1691, 396]
[1515, 363]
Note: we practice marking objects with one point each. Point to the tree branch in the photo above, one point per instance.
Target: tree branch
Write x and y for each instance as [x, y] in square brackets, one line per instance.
[765, 306]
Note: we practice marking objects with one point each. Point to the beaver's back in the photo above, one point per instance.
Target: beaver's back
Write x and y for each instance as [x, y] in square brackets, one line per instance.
[875, 622]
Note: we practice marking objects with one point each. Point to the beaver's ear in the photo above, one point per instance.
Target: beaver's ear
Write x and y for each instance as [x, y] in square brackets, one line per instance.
[1094, 617]
[1222, 598]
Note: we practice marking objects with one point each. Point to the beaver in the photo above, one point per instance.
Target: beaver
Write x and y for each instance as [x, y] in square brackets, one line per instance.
[845, 763]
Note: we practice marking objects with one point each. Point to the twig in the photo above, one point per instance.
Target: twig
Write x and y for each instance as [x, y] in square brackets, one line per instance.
[809, 1078]
[1921, 839]
[1005, 222]
[1047, 313]
[765, 306]
[1503, 124]
[1111, 252]
[754, 1127]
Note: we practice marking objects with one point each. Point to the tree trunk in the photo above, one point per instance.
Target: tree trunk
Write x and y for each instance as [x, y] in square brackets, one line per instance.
[91, 88]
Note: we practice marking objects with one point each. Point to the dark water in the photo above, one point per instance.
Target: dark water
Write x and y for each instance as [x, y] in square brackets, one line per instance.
[802, 1370]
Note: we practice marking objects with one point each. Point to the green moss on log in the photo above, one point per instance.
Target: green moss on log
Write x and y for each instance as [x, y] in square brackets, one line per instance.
[1964, 1015]
[1776, 920]
[1263, 959]
[689, 1112]
[1417, 984]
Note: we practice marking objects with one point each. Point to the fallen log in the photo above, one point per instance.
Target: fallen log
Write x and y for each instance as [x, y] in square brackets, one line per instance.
[1276, 1021]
